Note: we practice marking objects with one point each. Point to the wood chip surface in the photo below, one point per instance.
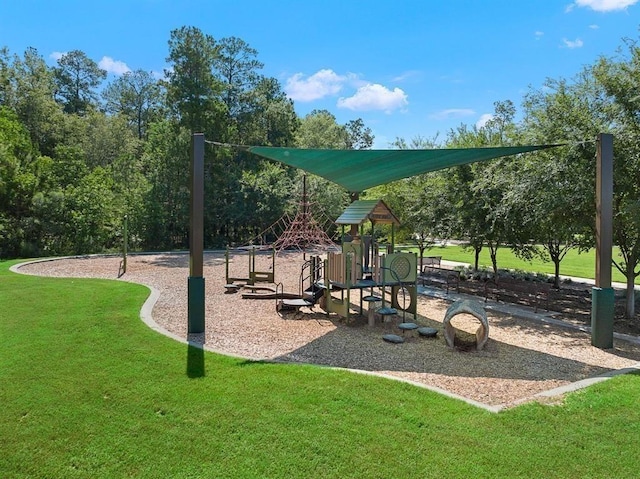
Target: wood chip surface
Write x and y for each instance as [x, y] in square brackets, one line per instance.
[522, 357]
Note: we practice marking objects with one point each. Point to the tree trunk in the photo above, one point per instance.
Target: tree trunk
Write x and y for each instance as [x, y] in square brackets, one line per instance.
[630, 310]
[477, 258]
[556, 279]
[493, 251]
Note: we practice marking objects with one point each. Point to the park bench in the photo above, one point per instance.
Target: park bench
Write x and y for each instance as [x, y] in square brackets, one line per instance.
[535, 293]
[432, 272]
[432, 261]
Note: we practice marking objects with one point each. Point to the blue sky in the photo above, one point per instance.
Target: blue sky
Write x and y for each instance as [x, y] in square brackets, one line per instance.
[408, 68]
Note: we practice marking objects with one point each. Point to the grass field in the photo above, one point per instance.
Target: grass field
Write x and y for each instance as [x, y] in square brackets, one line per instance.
[88, 391]
[581, 265]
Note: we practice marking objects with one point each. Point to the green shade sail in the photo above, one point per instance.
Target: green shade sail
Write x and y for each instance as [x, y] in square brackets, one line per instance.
[358, 170]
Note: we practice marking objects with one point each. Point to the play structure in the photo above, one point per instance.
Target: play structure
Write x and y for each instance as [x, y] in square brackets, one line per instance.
[385, 281]
[303, 232]
[476, 310]
[234, 283]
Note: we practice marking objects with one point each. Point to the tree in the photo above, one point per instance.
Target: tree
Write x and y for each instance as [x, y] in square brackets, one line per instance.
[418, 142]
[319, 129]
[620, 79]
[192, 89]
[421, 202]
[21, 175]
[493, 180]
[137, 96]
[165, 161]
[29, 92]
[92, 217]
[273, 120]
[237, 67]
[267, 193]
[77, 77]
[357, 135]
[556, 192]
[626, 219]
[5, 77]
[259, 190]
[103, 139]
[473, 220]
[552, 207]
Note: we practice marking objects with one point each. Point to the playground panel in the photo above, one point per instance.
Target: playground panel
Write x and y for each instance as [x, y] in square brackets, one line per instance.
[397, 271]
[253, 276]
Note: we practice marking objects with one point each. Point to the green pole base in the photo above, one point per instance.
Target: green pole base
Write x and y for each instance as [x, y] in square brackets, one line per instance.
[195, 287]
[602, 314]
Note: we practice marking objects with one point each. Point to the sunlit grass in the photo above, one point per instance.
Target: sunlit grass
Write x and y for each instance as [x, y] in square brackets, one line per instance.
[581, 265]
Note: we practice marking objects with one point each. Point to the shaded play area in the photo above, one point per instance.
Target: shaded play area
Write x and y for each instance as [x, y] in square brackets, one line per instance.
[358, 170]
[363, 271]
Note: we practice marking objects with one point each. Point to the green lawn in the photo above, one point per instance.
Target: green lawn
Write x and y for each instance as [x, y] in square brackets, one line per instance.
[88, 391]
[580, 265]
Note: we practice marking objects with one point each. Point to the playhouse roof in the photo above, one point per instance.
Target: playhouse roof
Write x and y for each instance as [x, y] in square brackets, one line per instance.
[375, 211]
[357, 170]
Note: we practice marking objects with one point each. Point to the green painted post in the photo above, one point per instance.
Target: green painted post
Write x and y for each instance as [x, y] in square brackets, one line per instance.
[195, 283]
[348, 278]
[602, 305]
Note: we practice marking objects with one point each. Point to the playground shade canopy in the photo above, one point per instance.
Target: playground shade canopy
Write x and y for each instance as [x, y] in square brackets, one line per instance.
[357, 170]
[359, 211]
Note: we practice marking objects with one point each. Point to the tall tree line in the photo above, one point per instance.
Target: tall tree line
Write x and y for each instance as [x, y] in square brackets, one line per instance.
[77, 155]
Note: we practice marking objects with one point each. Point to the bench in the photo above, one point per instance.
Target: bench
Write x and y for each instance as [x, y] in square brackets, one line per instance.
[436, 274]
[508, 290]
[432, 261]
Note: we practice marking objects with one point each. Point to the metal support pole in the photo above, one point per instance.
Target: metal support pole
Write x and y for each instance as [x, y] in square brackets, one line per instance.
[602, 305]
[354, 228]
[125, 244]
[196, 297]
[393, 238]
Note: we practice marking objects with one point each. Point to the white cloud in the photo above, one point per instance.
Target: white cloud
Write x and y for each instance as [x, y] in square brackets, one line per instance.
[484, 119]
[322, 83]
[406, 76]
[113, 66]
[375, 97]
[594, 27]
[577, 43]
[452, 113]
[602, 5]
[538, 34]
[57, 55]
